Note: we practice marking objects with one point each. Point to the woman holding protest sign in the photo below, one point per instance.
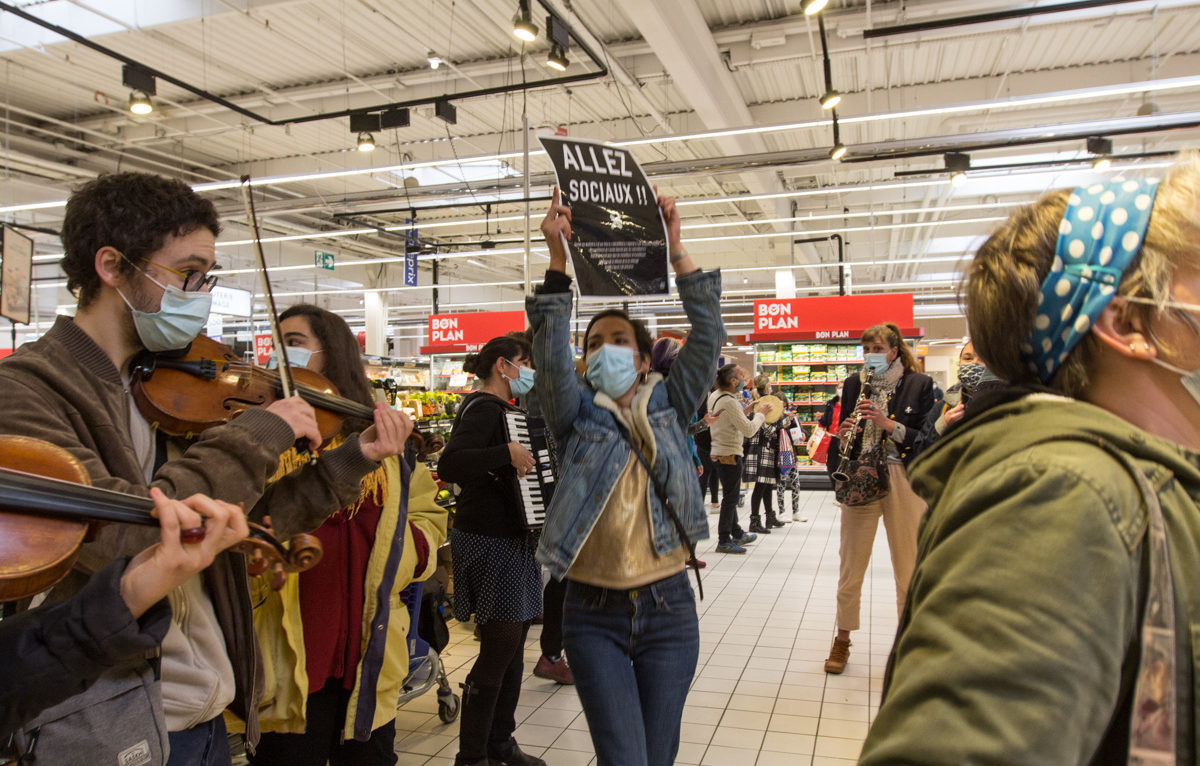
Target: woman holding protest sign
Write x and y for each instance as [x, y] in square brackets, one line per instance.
[627, 508]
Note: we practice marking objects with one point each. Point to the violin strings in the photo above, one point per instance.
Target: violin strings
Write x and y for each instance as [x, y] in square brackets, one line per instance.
[56, 494]
[338, 404]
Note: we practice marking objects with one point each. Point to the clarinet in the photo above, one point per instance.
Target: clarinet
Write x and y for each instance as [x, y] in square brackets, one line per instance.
[847, 451]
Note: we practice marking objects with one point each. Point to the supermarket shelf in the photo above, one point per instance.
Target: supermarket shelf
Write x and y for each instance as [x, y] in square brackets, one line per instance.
[854, 362]
[806, 382]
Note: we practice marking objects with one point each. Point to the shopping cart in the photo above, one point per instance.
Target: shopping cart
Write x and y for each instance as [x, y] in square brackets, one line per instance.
[425, 668]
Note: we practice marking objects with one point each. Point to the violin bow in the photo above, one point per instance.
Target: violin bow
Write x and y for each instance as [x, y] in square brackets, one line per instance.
[285, 373]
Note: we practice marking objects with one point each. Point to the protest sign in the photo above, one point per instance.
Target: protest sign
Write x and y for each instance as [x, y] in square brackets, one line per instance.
[619, 242]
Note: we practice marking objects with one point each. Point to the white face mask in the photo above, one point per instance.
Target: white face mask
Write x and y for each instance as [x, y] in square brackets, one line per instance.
[298, 356]
[1189, 378]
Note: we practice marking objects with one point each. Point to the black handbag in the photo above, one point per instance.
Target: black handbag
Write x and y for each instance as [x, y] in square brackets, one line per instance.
[868, 478]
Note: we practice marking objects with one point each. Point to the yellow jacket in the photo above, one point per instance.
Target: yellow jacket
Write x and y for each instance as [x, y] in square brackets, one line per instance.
[280, 631]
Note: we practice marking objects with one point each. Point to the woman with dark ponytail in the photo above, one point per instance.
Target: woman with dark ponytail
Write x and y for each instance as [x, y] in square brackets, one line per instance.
[496, 578]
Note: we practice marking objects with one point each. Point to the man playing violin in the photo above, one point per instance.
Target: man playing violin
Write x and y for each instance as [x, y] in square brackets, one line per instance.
[139, 250]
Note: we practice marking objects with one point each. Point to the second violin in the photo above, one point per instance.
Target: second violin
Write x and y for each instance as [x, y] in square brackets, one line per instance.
[207, 384]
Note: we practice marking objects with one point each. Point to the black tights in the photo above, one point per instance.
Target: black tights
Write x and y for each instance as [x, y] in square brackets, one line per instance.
[761, 495]
[499, 644]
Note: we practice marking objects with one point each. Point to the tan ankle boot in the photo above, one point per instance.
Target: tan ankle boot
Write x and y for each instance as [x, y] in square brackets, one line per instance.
[838, 655]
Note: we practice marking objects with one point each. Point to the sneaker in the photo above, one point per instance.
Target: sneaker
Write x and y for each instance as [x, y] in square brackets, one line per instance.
[716, 506]
[697, 563]
[749, 537]
[799, 517]
[838, 655]
[757, 528]
[559, 672]
[730, 547]
[775, 524]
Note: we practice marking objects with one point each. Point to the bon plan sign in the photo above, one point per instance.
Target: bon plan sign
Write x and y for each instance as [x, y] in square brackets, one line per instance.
[462, 333]
[830, 318]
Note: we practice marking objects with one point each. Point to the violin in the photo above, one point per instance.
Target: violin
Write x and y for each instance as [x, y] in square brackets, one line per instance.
[207, 384]
[49, 507]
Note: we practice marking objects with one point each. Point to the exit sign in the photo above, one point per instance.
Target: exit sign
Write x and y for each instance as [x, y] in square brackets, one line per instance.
[323, 260]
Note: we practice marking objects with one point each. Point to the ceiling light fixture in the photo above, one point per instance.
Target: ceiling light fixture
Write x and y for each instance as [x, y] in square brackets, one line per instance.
[1103, 149]
[557, 58]
[522, 23]
[839, 149]
[958, 164]
[831, 99]
[142, 86]
[140, 103]
[812, 7]
[560, 40]
[434, 60]
[366, 142]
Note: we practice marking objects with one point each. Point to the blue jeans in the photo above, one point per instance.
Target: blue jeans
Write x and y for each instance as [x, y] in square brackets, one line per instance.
[203, 745]
[634, 654]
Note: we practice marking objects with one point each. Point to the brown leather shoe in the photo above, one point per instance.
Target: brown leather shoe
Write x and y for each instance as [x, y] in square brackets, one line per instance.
[558, 672]
[838, 655]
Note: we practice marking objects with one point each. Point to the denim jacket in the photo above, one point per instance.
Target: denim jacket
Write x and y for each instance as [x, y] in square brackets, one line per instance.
[585, 424]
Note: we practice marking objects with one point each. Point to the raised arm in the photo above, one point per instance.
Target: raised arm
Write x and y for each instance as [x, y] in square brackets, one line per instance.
[549, 310]
[700, 292]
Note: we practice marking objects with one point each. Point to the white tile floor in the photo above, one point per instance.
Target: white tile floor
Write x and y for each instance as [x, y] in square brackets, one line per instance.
[772, 705]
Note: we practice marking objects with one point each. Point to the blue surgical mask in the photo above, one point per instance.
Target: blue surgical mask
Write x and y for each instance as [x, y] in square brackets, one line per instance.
[522, 384]
[876, 363]
[611, 370]
[179, 319]
[298, 356]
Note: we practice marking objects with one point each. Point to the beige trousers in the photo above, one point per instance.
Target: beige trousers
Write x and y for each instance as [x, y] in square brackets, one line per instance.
[901, 510]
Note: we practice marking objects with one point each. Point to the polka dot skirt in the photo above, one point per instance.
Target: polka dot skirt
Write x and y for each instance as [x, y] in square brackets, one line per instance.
[496, 579]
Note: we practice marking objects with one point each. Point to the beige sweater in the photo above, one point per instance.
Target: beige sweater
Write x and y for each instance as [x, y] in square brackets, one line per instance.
[732, 425]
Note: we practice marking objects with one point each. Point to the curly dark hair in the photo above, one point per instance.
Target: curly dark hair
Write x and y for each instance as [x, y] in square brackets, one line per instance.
[132, 212]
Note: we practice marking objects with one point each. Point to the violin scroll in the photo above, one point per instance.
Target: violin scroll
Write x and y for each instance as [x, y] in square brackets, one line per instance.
[265, 552]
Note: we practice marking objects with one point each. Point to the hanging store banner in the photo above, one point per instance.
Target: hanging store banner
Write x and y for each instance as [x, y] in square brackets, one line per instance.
[412, 246]
[619, 242]
[462, 333]
[842, 316]
[410, 269]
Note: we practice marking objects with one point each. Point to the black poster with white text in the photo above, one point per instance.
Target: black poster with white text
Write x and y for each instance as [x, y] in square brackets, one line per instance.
[619, 242]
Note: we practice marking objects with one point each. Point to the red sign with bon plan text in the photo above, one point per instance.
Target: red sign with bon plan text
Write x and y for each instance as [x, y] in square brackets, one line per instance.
[841, 316]
[461, 333]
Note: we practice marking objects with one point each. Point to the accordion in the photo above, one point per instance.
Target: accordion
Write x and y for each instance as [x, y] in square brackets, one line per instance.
[535, 488]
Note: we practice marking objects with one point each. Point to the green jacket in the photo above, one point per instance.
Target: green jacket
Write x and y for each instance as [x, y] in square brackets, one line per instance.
[1019, 640]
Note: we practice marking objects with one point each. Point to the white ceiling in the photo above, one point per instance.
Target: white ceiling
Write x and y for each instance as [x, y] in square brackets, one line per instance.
[677, 68]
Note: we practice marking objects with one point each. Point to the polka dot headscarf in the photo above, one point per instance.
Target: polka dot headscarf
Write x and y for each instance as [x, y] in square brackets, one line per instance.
[1099, 236]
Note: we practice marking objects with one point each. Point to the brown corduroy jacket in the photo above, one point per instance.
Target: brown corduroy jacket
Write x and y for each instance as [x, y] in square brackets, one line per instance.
[63, 389]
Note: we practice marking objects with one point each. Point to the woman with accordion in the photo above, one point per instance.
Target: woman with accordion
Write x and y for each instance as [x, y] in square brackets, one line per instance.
[878, 438]
[496, 578]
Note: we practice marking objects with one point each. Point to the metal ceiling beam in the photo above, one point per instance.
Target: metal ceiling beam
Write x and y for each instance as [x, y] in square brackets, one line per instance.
[680, 37]
[987, 18]
[206, 95]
